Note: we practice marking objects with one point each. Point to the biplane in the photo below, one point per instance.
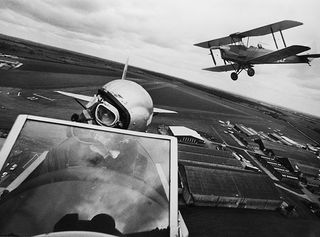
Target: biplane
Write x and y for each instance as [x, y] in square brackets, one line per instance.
[238, 57]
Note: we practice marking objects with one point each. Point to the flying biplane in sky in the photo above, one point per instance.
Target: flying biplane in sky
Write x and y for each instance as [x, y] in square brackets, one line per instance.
[238, 57]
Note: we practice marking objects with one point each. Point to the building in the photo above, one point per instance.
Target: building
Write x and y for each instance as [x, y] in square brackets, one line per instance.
[186, 135]
[313, 148]
[280, 171]
[307, 170]
[240, 137]
[291, 142]
[253, 145]
[302, 169]
[254, 132]
[245, 163]
[245, 130]
[229, 188]
[194, 155]
[279, 150]
[263, 135]
[9, 62]
[313, 185]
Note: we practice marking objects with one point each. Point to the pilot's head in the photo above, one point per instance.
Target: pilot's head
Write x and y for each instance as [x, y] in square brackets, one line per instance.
[120, 104]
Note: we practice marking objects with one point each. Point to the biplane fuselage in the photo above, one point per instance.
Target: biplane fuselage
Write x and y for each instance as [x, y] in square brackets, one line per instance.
[238, 57]
[241, 53]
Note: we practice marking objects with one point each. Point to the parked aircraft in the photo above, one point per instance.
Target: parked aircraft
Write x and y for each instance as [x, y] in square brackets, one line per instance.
[238, 57]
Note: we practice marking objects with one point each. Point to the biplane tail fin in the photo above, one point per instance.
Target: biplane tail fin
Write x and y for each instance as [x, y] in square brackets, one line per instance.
[310, 56]
[307, 58]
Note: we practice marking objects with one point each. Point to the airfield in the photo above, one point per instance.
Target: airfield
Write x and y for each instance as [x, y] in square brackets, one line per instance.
[254, 206]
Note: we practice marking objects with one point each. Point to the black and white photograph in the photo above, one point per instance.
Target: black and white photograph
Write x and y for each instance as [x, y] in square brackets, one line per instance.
[159, 118]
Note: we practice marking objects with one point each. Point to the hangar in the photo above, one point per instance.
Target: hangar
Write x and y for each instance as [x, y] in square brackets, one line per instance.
[186, 135]
[228, 188]
[284, 151]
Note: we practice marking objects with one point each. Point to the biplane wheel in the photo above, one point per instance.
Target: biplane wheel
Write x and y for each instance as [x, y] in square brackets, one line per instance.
[250, 72]
[234, 76]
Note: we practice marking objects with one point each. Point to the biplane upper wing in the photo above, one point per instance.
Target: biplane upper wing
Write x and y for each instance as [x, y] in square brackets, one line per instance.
[269, 29]
[263, 30]
[223, 68]
[279, 54]
[218, 42]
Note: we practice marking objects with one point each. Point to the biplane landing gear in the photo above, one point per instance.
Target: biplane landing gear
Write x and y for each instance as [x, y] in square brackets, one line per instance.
[234, 76]
[250, 72]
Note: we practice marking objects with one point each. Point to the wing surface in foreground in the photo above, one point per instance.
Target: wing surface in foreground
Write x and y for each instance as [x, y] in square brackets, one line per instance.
[76, 96]
[88, 98]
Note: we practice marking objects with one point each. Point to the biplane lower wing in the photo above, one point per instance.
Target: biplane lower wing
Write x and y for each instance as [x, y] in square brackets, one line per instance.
[306, 58]
[223, 68]
[275, 56]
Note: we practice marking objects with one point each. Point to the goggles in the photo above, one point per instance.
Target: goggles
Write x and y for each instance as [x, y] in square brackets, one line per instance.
[106, 114]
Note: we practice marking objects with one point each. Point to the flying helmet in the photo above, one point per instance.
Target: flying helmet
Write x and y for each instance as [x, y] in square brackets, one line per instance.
[122, 104]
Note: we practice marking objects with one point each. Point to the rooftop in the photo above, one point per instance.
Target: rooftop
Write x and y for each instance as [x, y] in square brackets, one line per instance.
[292, 152]
[184, 131]
[229, 183]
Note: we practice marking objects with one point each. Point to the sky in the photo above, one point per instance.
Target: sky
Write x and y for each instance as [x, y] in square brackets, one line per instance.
[159, 36]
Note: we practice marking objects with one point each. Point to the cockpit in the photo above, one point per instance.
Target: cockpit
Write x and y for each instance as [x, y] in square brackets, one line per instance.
[80, 177]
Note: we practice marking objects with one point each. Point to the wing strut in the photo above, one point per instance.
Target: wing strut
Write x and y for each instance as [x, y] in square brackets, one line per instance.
[248, 42]
[284, 43]
[209, 46]
[214, 61]
[274, 39]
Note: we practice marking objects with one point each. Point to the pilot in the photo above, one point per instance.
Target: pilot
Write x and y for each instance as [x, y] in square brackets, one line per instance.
[119, 104]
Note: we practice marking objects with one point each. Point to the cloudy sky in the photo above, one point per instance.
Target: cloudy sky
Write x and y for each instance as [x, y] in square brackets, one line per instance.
[159, 35]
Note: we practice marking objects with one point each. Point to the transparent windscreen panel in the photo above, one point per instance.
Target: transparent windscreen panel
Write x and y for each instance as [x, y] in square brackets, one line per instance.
[63, 178]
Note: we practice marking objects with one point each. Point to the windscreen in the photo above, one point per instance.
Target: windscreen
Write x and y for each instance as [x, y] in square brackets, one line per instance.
[63, 178]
